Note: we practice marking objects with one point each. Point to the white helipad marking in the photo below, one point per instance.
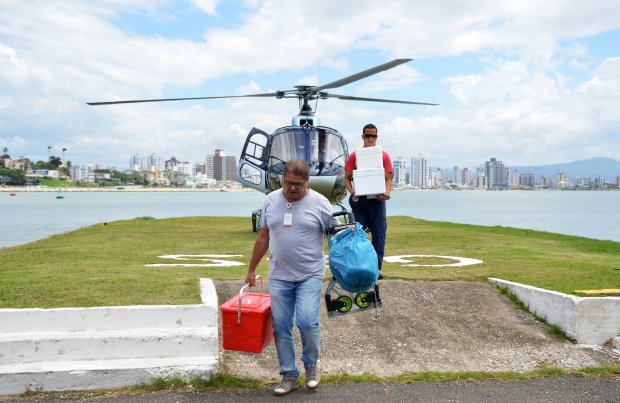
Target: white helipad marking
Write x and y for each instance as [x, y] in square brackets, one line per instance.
[461, 261]
[205, 258]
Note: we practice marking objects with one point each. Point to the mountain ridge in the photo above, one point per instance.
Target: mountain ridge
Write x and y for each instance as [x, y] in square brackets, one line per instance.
[606, 167]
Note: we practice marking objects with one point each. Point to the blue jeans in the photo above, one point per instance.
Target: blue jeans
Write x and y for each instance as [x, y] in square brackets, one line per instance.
[371, 213]
[300, 300]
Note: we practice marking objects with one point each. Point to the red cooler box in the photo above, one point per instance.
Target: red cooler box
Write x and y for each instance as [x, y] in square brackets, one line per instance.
[246, 321]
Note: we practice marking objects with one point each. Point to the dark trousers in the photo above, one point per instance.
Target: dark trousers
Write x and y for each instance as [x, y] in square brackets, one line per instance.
[371, 213]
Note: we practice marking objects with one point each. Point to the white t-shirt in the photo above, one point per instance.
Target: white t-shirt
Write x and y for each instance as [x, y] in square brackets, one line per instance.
[296, 251]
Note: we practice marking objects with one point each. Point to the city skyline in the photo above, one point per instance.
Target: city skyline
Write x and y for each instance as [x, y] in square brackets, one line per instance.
[416, 172]
[161, 160]
[421, 173]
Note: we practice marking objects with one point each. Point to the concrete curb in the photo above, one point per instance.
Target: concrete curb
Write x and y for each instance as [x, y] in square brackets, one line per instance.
[108, 347]
[587, 320]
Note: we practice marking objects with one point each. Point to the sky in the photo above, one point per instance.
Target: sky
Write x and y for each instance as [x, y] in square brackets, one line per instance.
[514, 81]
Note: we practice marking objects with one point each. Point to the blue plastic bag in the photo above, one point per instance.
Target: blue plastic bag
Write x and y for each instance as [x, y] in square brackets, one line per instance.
[353, 260]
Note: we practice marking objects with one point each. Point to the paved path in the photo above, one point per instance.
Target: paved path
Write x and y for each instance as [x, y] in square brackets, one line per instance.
[445, 326]
[562, 389]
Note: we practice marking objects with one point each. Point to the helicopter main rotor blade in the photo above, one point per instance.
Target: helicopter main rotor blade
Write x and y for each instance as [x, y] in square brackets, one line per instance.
[135, 101]
[393, 101]
[363, 74]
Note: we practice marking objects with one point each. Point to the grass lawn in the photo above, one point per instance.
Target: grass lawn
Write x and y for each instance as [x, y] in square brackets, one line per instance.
[105, 264]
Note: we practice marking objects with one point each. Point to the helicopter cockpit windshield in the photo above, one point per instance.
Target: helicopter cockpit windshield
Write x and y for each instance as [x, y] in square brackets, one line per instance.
[322, 148]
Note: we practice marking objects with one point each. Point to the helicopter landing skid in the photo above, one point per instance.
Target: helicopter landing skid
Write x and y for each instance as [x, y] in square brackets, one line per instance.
[346, 302]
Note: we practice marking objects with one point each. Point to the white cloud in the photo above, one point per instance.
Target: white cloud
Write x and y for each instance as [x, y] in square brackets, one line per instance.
[532, 90]
[208, 6]
[396, 78]
[524, 116]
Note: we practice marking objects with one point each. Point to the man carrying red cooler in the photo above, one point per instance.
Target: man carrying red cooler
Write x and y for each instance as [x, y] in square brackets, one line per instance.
[292, 226]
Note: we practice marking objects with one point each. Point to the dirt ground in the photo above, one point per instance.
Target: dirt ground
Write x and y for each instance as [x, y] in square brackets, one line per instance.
[426, 326]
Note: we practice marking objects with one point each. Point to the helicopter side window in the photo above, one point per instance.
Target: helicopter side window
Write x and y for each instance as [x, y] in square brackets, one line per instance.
[250, 173]
[254, 149]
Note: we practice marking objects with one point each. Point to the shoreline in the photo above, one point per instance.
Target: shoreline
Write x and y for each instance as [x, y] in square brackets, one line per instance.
[35, 189]
[29, 189]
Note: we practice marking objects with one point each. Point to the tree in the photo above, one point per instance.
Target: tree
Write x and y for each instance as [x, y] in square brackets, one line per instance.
[67, 167]
[40, 165]
[13, 176]
[55, 162]
[5, 153]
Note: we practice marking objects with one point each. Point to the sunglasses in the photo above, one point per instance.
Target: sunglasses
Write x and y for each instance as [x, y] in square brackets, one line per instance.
[370, 136]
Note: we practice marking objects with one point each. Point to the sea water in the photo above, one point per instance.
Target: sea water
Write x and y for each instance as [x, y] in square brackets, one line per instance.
[29, 216]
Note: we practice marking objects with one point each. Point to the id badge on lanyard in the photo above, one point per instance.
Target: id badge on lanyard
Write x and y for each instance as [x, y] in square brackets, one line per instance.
[288, 216]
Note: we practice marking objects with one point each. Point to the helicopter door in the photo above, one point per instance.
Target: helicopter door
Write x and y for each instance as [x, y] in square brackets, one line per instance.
[253, 160]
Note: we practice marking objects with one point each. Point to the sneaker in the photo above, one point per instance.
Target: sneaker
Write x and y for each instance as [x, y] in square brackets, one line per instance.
[286, 386]
[312, 377]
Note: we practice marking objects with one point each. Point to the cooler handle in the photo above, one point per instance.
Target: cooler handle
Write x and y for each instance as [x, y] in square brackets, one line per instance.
[258, 277]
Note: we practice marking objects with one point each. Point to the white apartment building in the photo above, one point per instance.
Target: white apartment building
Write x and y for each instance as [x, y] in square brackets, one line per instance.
[83, 173]
[420, 173]
[400, 172]
[156, 162]
[138, 163]
[209, 166]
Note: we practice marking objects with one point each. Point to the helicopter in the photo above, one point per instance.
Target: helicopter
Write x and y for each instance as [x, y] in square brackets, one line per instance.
[262, 159]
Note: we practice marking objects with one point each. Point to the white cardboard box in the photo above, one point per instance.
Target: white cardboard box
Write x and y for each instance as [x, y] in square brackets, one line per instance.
[369, 181]
[369, 157]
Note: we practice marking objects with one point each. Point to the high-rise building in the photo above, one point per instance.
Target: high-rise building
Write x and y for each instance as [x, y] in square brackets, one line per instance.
[185, 168]
[400, 172]
[496, 174]
[515, 177]
[83, 173]
[527, 180]
[419, 172]
[437, 178]
[138, 163]
[456, 175]
[560, 180]
[171, 164]
[544, 183]
[155, 162]
[209, 166]
[224, 167]
[466, 177]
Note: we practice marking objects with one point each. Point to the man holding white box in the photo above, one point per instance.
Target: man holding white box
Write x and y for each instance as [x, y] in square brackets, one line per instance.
[368, 178]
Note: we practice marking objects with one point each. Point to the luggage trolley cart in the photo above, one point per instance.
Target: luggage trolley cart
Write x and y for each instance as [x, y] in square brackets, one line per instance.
[345, 301]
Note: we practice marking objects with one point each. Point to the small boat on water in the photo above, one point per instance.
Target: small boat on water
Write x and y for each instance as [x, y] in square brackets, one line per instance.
[60, 195]
[13, 194]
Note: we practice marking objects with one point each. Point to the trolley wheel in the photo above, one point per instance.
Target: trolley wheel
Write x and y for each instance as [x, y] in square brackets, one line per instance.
[346, 300]
[360, 300]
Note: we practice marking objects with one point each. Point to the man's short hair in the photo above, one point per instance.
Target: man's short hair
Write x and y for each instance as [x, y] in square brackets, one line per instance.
[370, 126]
[297, 168]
